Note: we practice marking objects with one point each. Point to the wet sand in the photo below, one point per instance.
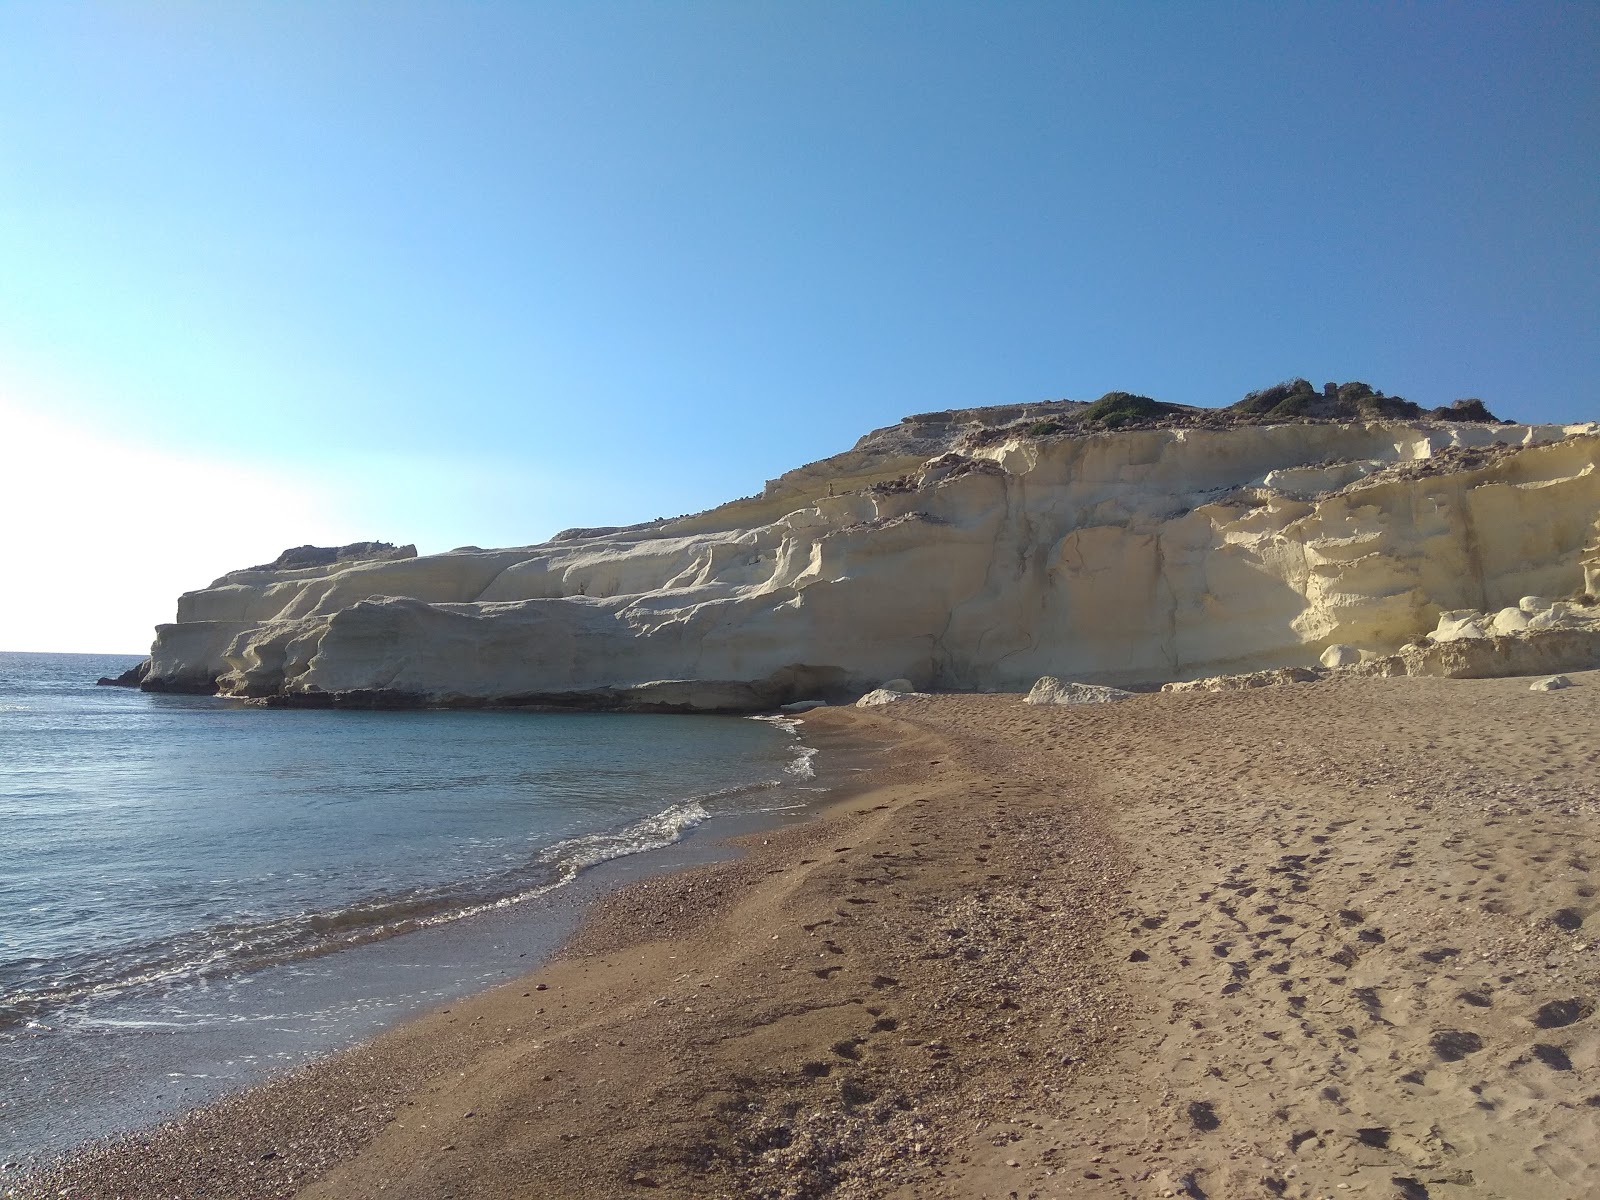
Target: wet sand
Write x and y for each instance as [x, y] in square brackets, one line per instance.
[1304, 941]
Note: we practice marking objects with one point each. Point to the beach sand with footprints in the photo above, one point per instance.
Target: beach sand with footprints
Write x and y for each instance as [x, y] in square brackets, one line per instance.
[1316, 940]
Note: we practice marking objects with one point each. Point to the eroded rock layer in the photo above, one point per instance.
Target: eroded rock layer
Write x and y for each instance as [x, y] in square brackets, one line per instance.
[971, 550]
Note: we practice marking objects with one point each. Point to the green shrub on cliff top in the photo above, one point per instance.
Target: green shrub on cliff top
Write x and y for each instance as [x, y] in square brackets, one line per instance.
[1368, 402]
[1353, 401]
[1292, 398]
[1119, 408]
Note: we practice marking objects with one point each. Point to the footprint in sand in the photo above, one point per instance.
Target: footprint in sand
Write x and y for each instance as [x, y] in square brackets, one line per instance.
[1452, 1045]
[1345, 956]
[1559, 1013]
[853, 1093]
[1369, 1001]
[1553, 1057]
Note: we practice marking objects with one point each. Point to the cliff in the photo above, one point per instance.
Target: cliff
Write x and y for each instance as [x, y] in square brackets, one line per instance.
[977, 549]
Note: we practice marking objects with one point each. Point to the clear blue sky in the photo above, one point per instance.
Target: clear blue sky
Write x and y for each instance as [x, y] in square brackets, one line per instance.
[469, 273]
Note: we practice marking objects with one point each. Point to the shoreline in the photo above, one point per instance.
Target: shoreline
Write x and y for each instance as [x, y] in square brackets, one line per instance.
[1231, 944]
[119, 1067]
[541, 926]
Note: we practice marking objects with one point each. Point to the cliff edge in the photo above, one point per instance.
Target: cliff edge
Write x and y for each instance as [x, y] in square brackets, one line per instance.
[1125, 542]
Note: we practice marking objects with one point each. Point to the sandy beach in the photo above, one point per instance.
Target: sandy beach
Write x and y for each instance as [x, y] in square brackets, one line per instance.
[1314, 940]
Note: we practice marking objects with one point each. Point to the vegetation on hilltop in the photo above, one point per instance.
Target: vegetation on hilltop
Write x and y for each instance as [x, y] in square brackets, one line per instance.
[1348, 401]
[1291, 400]
[1111, 411]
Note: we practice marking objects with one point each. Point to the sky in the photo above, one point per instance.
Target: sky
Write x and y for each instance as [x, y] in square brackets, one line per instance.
[471, 273]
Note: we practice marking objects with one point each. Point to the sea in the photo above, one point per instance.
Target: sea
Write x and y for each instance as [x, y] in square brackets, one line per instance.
[196, 894]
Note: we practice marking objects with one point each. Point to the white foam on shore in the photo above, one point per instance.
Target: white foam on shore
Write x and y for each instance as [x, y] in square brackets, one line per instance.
[802, 767]
[652, 833]
[780, 808]
[787, 724]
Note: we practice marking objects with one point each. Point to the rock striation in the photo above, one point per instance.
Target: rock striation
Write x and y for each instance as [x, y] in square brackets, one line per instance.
[970, 550]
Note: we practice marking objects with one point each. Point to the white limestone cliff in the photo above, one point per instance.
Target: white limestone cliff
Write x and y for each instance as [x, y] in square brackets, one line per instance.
[953, 551]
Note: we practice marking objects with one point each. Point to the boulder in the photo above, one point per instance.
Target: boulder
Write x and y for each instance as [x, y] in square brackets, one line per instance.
[1455, 626]
[1561, 615]
[1508, 621]
[878, 697]
[1050, 690]
[1550, 683]
[1339, 655]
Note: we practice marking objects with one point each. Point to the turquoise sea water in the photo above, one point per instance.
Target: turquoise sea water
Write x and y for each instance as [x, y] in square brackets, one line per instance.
[169, 861]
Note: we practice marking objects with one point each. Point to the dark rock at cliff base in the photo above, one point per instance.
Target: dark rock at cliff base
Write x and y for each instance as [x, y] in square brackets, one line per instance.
[131, 678]
[186, 683]
[298, 557]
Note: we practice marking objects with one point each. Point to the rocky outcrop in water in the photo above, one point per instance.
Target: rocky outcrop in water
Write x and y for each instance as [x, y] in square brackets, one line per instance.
[977, 549]
[131, 678]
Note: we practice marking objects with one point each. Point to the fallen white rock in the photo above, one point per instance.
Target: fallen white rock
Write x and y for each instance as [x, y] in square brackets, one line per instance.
[1050, 690]
[1508, 621]
[1240, 683]
[1562, 615]
[1552, 683]
[1535, 652]
[1339, 655]
[878, 697]
[1456, 626]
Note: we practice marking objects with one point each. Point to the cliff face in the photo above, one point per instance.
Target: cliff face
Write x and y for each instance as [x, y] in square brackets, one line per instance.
[952, 551]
